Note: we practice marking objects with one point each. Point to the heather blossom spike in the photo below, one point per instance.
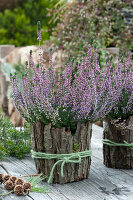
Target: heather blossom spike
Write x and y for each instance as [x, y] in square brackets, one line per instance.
[83, 93]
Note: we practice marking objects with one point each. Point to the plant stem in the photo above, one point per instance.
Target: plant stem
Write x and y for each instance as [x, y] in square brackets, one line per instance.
[6, 193]
[4, 168]
[31, 175]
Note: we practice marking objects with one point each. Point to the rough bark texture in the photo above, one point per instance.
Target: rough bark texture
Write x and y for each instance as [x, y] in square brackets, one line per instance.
[118, 157]
[59, 141]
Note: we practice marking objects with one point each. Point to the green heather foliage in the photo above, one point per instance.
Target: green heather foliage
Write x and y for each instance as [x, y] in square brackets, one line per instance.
[83, 93]
[13, 142]
[18, 26]
[98, 22]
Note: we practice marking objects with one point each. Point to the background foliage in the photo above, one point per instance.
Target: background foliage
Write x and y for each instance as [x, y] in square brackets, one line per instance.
[13, 142]
[18, 25]
[98, 22]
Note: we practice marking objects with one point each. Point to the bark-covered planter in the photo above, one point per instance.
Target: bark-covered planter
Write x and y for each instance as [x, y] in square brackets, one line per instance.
[59, 141]
[119, 157]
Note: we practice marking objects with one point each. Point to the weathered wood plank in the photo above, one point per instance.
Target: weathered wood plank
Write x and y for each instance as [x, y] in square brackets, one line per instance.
[20, 168]
[120, 179]
[103, 183]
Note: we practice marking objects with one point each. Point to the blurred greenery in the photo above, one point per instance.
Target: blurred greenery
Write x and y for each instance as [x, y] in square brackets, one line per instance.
[18, 25]
[99, 23]
[13, 142]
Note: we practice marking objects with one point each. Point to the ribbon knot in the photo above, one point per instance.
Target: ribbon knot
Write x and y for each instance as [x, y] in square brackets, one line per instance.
[61, 159]
[66, 159]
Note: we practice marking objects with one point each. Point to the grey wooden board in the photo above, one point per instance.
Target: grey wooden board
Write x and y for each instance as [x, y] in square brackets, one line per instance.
[103, 183]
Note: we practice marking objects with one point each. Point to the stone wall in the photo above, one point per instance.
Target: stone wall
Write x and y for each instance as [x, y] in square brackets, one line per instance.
[4, 51]
[12, 55]
[128, 15]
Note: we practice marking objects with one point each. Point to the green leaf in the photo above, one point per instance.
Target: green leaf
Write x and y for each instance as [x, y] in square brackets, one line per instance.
[42, 189]
[39, 25]
[35, 180]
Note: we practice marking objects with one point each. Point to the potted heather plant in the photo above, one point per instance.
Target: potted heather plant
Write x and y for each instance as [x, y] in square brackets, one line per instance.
[118, 126]
[61, 113]
[60, 118]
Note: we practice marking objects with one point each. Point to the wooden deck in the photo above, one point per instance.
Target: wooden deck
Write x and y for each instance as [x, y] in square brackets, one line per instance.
[103, 183]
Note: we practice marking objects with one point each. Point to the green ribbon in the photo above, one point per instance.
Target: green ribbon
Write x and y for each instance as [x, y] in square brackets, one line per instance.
[62, 159]
[110, 143]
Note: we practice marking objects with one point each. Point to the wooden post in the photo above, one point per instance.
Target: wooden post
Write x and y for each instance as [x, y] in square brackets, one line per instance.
[59, 141]
[4, 51]
[118, 157]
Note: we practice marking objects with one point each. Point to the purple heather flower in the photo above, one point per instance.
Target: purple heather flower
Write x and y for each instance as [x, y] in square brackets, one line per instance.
[88, 94]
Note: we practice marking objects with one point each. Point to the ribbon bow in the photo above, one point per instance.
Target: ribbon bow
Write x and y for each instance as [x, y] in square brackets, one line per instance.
[62, 159]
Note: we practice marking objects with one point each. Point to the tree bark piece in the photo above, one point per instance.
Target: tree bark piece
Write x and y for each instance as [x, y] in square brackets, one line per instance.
[37, 141]
[60, 141]
[118, 157]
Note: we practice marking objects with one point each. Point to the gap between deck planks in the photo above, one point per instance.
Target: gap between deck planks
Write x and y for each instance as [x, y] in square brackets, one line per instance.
[103, 183]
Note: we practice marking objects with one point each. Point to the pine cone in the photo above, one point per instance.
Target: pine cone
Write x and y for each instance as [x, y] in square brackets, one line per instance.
[1, 178]
[8, 185]
[27, 186]
[13, 179]
[6, 178]
[19, 181]
[19, 189]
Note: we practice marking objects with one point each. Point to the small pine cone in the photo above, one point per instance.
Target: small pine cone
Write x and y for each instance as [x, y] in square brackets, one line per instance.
[1, 178]
[27, 186]
[8, 185]
[6, 178]
[13, 179]
[19, 181]
[19, 189]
